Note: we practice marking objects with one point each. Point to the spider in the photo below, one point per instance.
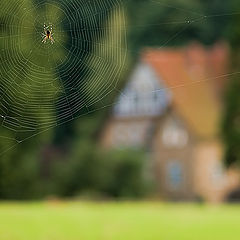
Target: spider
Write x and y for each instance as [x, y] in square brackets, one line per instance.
[47, 34]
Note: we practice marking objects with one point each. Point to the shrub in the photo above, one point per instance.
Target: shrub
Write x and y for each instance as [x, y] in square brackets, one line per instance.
[117, 173]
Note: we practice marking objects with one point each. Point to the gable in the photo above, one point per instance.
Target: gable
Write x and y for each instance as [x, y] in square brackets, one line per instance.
[144, 94]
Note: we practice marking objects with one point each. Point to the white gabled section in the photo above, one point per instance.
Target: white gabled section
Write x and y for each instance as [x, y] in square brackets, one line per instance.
[144, 94]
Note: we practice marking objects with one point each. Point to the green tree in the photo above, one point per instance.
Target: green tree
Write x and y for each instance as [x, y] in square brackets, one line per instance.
[231, 122]
[231, 126]
[175, 22]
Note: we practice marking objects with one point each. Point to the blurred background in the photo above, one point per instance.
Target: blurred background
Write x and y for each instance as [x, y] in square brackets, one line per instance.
[110, 100]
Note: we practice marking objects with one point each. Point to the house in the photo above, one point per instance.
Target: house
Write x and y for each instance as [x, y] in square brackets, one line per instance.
[172, 106]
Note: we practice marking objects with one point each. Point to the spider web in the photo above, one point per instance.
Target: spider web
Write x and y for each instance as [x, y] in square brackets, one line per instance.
[46, 85]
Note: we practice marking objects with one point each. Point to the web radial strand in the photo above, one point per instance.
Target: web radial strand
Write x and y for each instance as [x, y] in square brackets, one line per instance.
[48, 80]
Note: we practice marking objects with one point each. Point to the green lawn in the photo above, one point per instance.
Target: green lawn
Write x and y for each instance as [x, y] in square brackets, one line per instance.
[118, 221]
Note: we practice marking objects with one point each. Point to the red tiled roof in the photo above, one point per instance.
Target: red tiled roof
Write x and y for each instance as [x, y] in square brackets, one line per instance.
[190, 74]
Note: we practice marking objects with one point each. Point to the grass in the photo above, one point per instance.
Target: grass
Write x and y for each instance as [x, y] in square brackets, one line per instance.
[118, 221]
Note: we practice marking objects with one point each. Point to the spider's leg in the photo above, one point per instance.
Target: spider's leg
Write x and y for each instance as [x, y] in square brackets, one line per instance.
[52, 40]
[44, 40]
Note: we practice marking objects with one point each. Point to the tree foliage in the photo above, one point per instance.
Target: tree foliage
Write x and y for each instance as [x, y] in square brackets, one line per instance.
[231, 121]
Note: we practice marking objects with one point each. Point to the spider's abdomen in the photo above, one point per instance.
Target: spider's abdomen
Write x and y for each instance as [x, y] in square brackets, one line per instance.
[48, 34]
